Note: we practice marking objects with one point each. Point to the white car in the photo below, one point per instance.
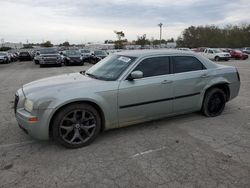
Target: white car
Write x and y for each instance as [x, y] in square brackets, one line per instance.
[216, 54]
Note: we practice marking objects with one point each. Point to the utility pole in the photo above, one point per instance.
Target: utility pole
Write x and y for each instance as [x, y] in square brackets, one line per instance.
[160, 25]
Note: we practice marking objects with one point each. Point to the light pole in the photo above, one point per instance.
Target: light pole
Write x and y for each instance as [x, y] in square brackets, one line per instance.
[160, 25]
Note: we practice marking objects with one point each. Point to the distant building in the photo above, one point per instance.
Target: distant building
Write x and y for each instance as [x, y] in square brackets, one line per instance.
[12, 45]
[171, 45]
[100, 46]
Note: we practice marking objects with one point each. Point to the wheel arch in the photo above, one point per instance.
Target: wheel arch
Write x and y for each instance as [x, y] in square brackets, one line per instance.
[95, 105]
[224, 86]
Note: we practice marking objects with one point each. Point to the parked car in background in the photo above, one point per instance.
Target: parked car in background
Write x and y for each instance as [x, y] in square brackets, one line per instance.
[216, 54]
[97, 55]
[238, 54]
[123, 89]
[4, 57]
[85, 52]
[184, 49]
[200, 49]
[49, 56]
[73, 57]
[25, 56]
[37, 57]
[246, 50]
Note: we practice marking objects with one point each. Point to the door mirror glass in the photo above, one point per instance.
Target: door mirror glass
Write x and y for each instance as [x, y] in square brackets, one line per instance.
[136, 75]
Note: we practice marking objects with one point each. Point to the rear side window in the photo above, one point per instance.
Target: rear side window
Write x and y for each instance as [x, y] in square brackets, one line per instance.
[186, 64]
[154, 66]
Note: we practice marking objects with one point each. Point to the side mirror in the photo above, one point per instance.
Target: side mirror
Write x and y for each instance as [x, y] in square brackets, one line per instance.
[135, 75]
[37, 53]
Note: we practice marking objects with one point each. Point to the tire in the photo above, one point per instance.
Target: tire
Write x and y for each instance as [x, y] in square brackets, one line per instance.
[72, 130]
[217, 58]
[41, 65]
[92, 61]
[81, 64]
[214, 102]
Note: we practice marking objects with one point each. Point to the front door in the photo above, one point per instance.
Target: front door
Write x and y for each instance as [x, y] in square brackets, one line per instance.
[148, 97]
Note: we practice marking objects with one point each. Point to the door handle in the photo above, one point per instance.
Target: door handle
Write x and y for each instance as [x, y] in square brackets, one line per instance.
[204, 76]
[166, 81]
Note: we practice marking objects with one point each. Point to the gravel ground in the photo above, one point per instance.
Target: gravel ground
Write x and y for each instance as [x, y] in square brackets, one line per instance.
[184, 151]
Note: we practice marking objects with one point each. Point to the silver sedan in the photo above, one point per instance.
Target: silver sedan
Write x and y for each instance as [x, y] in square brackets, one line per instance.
[123, 89]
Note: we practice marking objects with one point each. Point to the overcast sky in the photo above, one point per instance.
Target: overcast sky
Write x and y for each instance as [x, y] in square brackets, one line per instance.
[81, 21]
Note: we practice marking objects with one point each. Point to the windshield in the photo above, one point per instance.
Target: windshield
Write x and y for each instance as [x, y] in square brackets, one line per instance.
[111, 67]
[100, 53]
[2, 54]
[217, 50]
[72, 52]
[48, 51]
[85, 51]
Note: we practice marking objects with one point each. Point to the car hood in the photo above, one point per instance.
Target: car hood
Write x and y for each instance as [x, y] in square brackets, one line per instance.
[59, 83]
[49, 55]
[2, 57]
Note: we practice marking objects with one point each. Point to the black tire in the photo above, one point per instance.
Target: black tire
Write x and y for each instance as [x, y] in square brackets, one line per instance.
[72, 130]
[41, 65]
[82, 63]
[214, 102]
[92, 61]
[217, 58]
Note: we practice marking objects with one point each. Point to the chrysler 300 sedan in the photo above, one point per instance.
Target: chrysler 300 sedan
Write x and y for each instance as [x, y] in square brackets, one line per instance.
[123, 89]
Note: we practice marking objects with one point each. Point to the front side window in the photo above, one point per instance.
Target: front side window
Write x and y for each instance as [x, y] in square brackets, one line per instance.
[154, 66]
[186, 64]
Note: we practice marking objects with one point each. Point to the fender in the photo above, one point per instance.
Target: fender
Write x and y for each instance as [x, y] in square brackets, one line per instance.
[211, 83]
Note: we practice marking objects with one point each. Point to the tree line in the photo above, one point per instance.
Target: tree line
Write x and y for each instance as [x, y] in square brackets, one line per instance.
[230, 36]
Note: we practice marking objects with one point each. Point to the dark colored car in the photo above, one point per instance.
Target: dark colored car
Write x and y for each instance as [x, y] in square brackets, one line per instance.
[237, 54]
[96, 56]
[72, 57]
[25, 56]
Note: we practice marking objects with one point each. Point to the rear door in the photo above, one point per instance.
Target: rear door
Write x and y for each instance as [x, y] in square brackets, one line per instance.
[148, 97]
[190, 77]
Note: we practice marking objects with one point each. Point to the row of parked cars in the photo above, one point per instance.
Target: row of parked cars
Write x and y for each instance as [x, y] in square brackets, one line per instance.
[8, 57]
[218, 54]
[51, 56]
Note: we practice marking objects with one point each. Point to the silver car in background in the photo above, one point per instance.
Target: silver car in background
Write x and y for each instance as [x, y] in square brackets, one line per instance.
[123, 89]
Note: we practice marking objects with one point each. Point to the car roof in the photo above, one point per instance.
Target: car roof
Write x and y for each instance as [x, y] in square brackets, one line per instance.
[144, 53]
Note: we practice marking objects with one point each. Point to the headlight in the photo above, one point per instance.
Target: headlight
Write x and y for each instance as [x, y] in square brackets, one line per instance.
[28, 105]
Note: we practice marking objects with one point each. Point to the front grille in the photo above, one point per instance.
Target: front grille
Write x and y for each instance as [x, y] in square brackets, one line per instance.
[16, 102]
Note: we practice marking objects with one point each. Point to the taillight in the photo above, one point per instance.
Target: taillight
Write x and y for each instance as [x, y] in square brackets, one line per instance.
[238, 75]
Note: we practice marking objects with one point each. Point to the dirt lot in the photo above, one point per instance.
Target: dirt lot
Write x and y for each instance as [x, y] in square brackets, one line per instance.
[184, 151]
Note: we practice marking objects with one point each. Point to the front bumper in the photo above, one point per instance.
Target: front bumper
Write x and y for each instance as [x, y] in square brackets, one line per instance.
[38, 130]
[50, 61]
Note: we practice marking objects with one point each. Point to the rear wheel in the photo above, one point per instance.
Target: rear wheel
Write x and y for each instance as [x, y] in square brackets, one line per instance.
[76, 125]
[214, 102]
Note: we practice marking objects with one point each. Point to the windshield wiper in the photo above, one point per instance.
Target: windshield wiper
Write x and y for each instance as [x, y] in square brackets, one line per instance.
[92, 76]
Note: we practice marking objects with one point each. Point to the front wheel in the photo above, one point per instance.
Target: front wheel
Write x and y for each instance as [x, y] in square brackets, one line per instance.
[217, 58]
[214, 102]
[76, 125]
